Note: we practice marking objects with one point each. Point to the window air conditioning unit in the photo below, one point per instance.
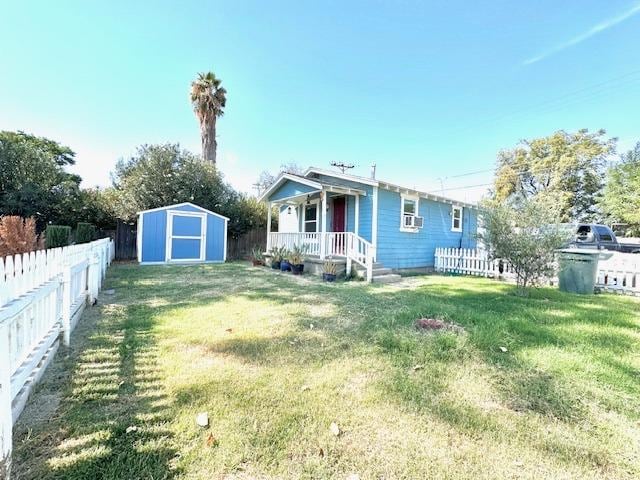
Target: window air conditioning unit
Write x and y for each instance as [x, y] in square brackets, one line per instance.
[411, 221]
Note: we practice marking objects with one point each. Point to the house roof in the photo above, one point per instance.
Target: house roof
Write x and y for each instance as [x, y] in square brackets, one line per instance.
[169, 207]
[318, 185]
[387, 186]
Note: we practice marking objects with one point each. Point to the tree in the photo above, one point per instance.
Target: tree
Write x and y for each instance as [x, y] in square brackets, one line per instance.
[160, 175]
[98, 207]
[267, 178]
[621, 197]
[568, 166]
[208, 99]
[34, 182]
[526, 235]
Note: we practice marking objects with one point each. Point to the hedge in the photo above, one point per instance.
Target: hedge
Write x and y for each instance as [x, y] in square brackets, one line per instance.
[85, 232]
[57, 236]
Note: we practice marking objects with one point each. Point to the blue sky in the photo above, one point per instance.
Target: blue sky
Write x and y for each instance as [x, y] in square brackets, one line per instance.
[428, 91]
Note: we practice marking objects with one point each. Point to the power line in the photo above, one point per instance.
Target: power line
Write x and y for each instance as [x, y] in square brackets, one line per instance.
[518, 173]
[461, 188]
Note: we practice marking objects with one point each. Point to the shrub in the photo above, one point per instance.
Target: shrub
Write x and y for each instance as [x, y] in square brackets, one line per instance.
[85, 232]
[57, 236]
[526, 235]
[18, 235]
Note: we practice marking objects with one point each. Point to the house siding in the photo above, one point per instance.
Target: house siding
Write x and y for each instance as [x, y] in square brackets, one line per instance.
[290, 189]
[366, 204]
[398, 249]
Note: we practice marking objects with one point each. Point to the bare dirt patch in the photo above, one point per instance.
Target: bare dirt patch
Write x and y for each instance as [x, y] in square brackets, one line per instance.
[436, 325]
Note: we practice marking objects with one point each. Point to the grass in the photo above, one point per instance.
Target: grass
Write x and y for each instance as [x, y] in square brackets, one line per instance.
[275, 359]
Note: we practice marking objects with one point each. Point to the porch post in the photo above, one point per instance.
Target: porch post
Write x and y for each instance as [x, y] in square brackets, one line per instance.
[323, 245]
[268, 226]
[357, 214]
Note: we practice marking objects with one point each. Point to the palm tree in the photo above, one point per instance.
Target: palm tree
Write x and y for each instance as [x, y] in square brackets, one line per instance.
[208, 99]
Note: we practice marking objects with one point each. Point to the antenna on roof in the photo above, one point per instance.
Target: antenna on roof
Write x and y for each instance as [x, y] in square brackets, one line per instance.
[342, 166]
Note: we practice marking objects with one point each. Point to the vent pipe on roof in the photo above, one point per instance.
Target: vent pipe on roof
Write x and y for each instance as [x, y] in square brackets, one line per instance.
[373, 171]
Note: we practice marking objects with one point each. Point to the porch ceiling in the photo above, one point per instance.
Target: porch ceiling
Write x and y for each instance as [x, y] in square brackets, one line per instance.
[327, 187]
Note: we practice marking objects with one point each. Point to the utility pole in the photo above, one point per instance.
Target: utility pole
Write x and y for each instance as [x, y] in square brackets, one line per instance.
[342, 166]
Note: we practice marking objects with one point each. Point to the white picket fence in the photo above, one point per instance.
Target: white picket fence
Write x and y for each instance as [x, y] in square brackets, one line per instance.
[42, 295]
[619, 273]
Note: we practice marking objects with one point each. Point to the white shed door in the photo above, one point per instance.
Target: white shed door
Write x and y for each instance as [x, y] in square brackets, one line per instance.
[186, 236]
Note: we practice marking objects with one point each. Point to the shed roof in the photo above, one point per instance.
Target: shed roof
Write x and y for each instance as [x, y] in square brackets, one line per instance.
[169, 207]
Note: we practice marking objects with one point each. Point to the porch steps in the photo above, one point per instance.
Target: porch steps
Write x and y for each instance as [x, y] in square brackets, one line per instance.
[388, 278]
[380, 274]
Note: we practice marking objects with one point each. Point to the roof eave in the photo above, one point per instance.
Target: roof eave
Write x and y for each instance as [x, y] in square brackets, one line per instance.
[427, 195]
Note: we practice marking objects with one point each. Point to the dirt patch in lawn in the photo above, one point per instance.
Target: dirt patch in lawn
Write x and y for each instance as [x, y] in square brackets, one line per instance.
[436, 325]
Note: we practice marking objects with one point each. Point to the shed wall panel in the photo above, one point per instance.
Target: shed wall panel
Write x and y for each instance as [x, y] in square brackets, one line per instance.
[154, 232]
[215, 239]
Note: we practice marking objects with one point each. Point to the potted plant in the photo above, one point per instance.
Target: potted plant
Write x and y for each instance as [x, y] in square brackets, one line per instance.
[276, 257]
[257, 257]
[329, 269]
[285, 265]
[296, 259]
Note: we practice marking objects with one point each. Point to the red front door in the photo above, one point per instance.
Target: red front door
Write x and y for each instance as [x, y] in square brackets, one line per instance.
[339, 215]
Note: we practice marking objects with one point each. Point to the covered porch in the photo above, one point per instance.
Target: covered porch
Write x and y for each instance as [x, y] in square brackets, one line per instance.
[322, 217]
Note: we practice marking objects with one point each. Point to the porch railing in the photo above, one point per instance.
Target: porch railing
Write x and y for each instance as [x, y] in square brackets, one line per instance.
[329, 244]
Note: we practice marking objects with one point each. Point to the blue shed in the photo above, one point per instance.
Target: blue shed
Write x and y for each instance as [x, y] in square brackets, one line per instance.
[181, 233]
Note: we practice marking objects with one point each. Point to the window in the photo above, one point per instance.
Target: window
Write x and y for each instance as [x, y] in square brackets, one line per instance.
[456, 219]
[604, 233]
[584, 234]
[311, 217]
[409, 219]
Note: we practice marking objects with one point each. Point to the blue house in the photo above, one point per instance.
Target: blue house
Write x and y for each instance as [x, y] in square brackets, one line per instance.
[182, 233]
[376, 226]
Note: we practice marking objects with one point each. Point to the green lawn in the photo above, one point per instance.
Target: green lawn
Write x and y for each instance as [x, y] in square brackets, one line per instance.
[275, 359]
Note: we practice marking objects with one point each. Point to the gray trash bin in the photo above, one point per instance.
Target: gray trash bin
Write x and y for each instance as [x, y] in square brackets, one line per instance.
[578, 270]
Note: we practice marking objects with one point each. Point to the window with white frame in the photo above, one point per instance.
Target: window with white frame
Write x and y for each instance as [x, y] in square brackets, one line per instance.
[409, 219]
[456, 218]
[311, 217]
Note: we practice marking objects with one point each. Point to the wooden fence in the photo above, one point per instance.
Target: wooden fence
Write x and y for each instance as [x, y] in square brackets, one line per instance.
[619, 273]
[125, 241]
[240, 248]
[42, 295]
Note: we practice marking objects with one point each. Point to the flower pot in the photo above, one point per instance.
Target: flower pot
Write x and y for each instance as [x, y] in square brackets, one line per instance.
[285, 266]
[275, 265]
[297, 269]
[329, 277]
